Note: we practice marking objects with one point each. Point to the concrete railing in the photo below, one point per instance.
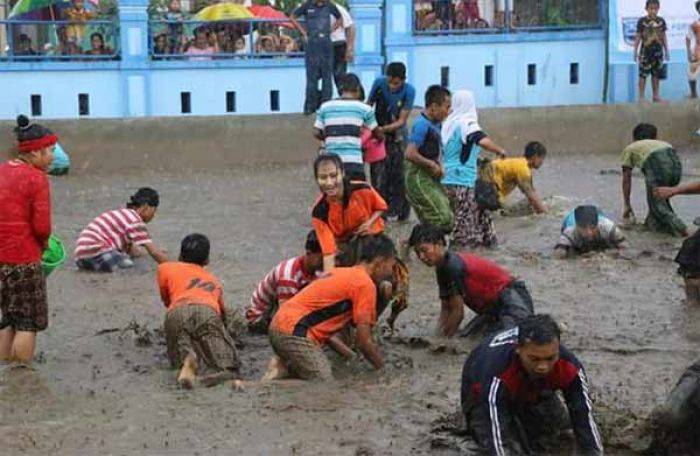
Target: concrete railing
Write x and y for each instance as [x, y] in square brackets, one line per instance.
[176, 144]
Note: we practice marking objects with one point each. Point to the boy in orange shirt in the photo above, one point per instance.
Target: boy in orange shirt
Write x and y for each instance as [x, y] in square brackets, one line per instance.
[309, 320]
[194, 325]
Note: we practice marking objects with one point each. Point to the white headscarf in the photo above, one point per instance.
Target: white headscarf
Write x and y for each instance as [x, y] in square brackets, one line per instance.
[463, 115]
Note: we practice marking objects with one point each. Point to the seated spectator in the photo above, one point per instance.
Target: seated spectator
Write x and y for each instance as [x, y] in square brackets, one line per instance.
[204, 45]
[77, 15]
[176, 31]
[266, 44]
[288, 45]
[160, 45]
[24, 46]
[64, 46]
[239, 46]
[226, 41]
[467, 14]
[97, 42]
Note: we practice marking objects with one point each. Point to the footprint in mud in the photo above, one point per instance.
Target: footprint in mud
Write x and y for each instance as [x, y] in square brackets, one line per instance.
[449, 432]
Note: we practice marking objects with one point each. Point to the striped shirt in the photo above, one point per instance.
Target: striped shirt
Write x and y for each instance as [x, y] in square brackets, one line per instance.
[341, 122]
[281, 283]
[113, 230]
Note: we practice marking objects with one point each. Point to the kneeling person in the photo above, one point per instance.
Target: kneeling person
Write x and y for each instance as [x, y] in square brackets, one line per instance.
[466, 279]
[509, 386]
[344, 296]
[194, 325]
[282, 283]
[586, 229]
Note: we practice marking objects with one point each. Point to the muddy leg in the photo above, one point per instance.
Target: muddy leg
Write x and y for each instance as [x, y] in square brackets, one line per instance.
[23, 346]
[7, 335]
[276, 369]
[188, 372]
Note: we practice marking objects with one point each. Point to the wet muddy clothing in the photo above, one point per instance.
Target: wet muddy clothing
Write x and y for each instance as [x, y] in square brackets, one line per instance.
[337, 221]
[651, 32]
[23, 301]
[328, 304]
[303, 357]
[182, 283]
[198, 329]
[688, 257]
[609, 236]
[507, 412]
[507, 174]
[427, 197]
[473, 225]
[662, 169]
[105, 262]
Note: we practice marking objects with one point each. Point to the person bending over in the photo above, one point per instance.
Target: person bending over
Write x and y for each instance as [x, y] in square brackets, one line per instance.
[467, 279]
[586, 229]
[509, 386]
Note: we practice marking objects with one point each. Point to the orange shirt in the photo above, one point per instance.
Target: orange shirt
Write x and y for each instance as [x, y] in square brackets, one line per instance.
[187, 283]
[337, 221]
[326, 305]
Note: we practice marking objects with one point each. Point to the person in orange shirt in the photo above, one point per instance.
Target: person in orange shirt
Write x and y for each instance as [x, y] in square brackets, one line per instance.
[194, 324]
[345, 210]
[309, 320]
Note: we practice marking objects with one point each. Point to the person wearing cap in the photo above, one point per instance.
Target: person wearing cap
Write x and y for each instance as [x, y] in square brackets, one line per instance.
[113, 238]
[319, 49]
[587, 229]
[25, 227]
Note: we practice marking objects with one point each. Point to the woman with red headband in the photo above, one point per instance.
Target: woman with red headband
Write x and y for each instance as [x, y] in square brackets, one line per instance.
[25, 227]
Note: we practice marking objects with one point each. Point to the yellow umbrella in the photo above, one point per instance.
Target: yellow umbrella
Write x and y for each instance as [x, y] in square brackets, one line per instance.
[223, 12]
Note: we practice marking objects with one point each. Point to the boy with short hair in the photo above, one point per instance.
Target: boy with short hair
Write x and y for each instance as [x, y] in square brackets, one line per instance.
[651, 49]
[469, 280]
[393, 98]
[424, 162]
[339, 125]
[586, 229]
[661, 167]
[194, 325]
[509, 173]
[283, 283]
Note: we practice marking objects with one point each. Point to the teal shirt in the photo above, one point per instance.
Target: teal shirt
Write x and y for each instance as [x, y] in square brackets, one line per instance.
[456, 172]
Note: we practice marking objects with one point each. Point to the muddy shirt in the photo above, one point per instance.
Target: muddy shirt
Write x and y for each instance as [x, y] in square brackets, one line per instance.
[651, 31]
[186, 283]
[609, 236]
[495, 382]
[634, 155]
[508, 174]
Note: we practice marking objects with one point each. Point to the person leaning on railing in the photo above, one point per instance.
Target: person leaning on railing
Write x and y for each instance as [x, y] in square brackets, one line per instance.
[98, 47]
[77, 15]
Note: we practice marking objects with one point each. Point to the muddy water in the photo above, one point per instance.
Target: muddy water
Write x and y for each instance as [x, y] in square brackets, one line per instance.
[102, 384]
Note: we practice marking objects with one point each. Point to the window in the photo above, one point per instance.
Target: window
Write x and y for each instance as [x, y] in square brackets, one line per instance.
[573, 73]
[560, 13]
[185, 102]
[36, 105]
[445, 77]
[274, 100]
[531, 74]
[488, 76]
[230, 101]
[83, 104]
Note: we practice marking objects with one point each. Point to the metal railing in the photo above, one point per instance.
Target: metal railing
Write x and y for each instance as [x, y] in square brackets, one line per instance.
[234, 39]
[33, 40]
[453, 17]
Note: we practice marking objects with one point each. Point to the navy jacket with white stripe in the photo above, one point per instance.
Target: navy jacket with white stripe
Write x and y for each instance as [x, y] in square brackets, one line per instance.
[494, 380]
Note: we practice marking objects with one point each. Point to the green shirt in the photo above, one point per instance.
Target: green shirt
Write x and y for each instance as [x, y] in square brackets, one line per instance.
[636, 153]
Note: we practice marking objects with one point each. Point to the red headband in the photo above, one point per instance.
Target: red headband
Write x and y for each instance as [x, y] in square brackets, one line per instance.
[37, 144]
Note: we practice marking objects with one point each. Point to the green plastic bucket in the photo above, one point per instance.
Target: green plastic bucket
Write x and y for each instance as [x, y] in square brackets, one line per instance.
[54, 255]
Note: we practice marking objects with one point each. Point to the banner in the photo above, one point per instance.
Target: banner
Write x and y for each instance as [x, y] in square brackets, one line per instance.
[679, 14]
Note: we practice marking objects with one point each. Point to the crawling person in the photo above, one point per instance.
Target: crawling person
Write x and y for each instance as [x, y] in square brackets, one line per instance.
[309, 320]
[688, 260]
[509, 386]
[467, 279]
[112, 239]
[586, 229]
[194, 324]
[281, 284]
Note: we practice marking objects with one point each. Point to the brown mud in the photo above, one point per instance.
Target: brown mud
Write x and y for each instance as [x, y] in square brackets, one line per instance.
[102, 384]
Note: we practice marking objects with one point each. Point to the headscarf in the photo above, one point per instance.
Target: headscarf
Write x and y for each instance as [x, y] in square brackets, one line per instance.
[463, 116]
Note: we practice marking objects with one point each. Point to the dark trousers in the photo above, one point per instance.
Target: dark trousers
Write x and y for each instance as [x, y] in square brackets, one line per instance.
[514, 305]
[354, 171]
[393, 187]
[376, 171]
[319, 65]
[340, 65]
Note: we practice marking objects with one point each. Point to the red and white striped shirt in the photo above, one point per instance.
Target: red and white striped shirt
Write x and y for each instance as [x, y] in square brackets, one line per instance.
[284, 281]
[113, 230]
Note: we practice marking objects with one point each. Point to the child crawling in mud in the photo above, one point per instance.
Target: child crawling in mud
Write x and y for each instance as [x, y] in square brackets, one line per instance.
[194, 325]
[586, 229]
[111, 240]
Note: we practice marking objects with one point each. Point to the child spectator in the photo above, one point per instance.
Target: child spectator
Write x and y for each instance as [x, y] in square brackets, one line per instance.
[25, 227]
[176, 30]
[424, 162]
[110, 240]
[339, 125]
[97, 42]
[24, 46]
[77, 15]
[650, 49]
[160, 45]
[194, 325]
[240, 47]
[202, 47]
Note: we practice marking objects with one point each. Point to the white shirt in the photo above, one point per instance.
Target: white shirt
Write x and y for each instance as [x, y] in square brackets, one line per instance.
[339, 34]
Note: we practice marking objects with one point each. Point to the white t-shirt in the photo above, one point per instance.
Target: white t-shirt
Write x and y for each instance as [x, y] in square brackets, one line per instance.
[339, 34]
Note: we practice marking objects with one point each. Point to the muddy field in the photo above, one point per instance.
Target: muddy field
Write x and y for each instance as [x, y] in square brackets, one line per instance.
[102, 384]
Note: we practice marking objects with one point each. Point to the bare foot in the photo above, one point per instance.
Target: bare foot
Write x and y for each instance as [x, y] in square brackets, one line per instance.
[238, 385]
[216, 378]
[276, 369]
[188, 372]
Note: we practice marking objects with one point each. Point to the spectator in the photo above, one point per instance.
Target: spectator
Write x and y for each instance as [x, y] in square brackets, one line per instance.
[266, 44]
[319, 49]
[240, 47]
[651, 49]
[77, 15]
[24, 46]
[176, 31]
[443, 12]
[160, 45]
[98, 46]
[288, 45]
[693, 53]
[203, 46]
[65, 46]
[343, 38]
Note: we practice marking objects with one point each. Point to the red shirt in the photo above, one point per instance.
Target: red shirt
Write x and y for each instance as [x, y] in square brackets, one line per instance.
[25, 212]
